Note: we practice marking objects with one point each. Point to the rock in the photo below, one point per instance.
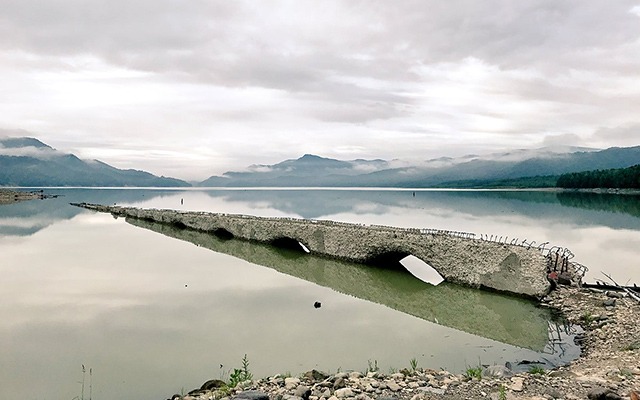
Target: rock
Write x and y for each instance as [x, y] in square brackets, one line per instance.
[291, 383]
[213, 384]
[615, 295]
[303, 392]
[393, 386]
[564, 279]
[339, 383]
[252, 395]
[344, 392]
[517, 384]
[600, 393]
[497, 371]
[609, 303]
[553, 393]
[355, 375]
[315, 375]
[433, 390]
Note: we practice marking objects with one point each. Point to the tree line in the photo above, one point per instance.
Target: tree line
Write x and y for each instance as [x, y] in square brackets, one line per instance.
[623, 178]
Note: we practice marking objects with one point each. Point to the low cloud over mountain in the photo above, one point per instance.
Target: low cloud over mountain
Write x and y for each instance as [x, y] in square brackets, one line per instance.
[311, 170]
[27, 161]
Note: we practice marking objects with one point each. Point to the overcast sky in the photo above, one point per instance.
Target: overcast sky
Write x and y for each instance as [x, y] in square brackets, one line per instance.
[194, 88]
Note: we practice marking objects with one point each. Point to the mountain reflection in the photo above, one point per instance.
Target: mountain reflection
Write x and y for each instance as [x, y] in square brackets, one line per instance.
[575, 207]
[29, 217]
[505, 319]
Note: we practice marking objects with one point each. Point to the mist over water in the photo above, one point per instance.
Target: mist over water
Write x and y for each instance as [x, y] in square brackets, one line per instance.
[151, 309]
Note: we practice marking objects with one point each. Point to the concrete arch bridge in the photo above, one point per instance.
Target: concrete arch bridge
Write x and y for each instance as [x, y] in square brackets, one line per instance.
[458, 257]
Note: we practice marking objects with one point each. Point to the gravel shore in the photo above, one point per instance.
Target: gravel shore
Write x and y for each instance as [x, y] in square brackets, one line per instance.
[609, 367]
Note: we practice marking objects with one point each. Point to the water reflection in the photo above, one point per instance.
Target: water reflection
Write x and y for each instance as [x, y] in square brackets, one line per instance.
[623, 204]
[28, 217]
[505, 319]
[151, 314]
[533, 204]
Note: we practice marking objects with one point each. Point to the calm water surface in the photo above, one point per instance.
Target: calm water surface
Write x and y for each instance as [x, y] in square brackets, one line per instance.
[152, 309]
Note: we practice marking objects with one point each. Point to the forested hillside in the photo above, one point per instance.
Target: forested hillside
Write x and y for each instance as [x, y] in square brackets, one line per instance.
[623, 178]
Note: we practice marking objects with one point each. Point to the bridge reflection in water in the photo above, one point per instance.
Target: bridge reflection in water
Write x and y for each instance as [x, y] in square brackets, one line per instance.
[506, 319]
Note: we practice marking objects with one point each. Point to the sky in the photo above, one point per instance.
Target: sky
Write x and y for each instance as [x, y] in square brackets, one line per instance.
[191, 89]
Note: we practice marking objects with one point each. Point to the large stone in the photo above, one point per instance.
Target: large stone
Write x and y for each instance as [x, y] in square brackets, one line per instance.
[393, 386]
[339, 383]
[303, 391]
[433, 390]
[517, 384]
[600, 393]
[213, 384]
[315, 375]
[291, 383]
[252, 395]
[497, 371]
[344, 392]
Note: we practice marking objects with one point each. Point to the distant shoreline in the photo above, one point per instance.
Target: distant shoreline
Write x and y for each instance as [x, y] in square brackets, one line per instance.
[8, 196]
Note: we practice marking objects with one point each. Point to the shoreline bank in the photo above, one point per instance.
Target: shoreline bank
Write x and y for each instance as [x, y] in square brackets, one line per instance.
[9, 196]
[609, 367]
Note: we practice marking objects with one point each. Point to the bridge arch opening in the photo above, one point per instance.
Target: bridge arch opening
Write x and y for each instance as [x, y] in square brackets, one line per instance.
[223, 234]
[287, 243]
[387, 260]
[404, 261]
[421, 270]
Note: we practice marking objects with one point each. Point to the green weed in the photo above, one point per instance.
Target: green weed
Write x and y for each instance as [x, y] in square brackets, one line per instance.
[536, 369]
[587, 317]
[372, 367]
[413, 363]
[474, 372]
[502, 392]
[240, 374]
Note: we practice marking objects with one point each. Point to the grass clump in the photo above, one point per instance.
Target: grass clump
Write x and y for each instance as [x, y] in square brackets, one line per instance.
[413, 363]
[587, 317]
[474, 372]
[241, 374]
[536, 370]
[372, 366]
[502, 392]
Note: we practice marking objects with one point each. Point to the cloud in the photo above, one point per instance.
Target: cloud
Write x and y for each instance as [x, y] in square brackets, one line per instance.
[624, 135]
[29, 151]
[210, 86]
[562, 139]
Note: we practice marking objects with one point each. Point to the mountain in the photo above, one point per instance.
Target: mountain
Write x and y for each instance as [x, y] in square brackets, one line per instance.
[472, 170]
[298, 172]
[27, 161]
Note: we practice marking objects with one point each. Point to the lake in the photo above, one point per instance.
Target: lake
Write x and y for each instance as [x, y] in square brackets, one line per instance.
[151, 310]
